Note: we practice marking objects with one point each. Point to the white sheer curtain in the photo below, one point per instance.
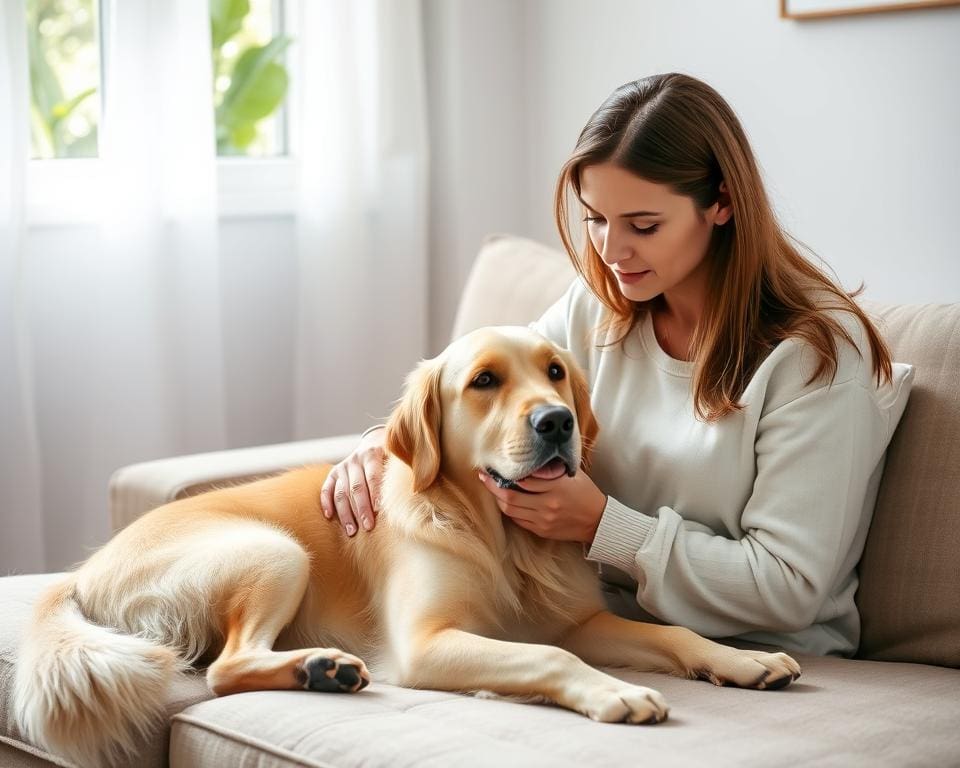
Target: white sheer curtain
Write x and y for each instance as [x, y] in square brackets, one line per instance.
[362, 219]
[129, 366]
[21, 528]
[127, 360]
[157, 340]
[159, 271]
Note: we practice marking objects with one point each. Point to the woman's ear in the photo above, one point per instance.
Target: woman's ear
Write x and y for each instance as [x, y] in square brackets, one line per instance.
[586, 420]
[413, 430]
[724, 206]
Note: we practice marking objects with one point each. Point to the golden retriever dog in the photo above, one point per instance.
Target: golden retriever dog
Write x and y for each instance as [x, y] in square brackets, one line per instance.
[446, 593]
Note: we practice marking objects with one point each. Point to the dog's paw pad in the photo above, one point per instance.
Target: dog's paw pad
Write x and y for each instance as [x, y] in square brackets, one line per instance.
[333, 674]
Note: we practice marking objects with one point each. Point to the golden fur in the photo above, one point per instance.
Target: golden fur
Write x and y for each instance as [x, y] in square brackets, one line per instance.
[445, 593]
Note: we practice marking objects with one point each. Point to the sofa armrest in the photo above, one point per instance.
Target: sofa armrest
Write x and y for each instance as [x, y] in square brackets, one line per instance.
[138, 488]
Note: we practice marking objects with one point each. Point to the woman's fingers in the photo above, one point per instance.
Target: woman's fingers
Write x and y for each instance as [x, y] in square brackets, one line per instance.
[508, 497]
[326, 494]
[360, 494]
[341, 501]
[352, 490]
[374, 467]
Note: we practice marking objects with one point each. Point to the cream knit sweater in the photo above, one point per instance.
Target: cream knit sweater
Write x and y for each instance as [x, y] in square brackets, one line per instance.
[751, 526]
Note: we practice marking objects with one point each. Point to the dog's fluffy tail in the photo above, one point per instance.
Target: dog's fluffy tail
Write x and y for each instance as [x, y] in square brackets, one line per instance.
[87, 692]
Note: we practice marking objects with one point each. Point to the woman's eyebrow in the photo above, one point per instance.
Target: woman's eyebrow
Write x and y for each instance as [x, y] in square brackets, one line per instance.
[630, 215]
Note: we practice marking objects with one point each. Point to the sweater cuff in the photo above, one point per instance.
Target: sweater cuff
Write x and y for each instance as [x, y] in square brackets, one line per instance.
[620, 535]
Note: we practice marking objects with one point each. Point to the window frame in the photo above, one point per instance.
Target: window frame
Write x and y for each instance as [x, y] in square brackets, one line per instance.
[65, 191]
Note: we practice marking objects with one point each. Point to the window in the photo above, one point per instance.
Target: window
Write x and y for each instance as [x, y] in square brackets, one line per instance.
[251, 90]
[64, 56]
[250, 77]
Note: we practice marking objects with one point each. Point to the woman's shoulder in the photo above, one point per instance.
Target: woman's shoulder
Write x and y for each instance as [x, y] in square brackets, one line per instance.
[566, 318]
[794, 367]
[582, 303]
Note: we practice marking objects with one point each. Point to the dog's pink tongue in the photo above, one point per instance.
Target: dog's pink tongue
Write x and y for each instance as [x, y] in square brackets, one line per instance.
[551, 470]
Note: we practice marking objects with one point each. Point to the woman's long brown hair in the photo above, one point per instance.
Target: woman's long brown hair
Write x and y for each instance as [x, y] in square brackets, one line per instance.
[676, 130]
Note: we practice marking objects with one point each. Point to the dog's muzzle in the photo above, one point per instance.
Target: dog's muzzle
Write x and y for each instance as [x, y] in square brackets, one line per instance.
[553, 426]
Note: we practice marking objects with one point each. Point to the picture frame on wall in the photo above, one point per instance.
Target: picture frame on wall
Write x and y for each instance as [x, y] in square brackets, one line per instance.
[823, 9]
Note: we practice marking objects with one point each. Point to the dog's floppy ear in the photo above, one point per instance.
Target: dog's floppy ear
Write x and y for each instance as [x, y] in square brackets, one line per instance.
[585, 416]
[413, 430]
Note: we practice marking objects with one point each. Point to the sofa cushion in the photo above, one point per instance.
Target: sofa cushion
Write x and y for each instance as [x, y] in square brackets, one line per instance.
[909, 596]
[863, 713]
[17, 597]
[841, 712]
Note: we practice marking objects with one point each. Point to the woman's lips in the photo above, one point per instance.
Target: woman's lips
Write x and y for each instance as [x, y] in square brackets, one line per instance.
[632, 277]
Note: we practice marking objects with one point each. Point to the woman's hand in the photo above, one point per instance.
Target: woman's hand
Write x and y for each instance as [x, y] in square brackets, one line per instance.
[352, 489]
[565, 509]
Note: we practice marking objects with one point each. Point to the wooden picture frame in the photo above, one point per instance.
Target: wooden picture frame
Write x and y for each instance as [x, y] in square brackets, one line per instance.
[825, 9]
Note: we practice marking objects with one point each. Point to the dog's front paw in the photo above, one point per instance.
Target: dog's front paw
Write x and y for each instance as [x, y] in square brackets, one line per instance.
[333, 671]
[751, 669]
[625, 704]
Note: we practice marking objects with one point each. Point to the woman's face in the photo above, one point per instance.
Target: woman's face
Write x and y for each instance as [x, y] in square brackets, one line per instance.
[653, 240]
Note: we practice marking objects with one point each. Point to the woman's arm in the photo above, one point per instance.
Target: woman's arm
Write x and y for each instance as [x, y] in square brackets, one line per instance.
[816, 457]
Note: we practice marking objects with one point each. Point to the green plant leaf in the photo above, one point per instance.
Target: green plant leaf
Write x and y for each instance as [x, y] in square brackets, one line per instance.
[258, 83]
[62, 110]
[242, 135]
[226, 19]
[45, 88]
[260, 100]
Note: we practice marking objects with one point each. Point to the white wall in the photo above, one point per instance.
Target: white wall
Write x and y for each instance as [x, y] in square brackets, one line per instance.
[855, 121]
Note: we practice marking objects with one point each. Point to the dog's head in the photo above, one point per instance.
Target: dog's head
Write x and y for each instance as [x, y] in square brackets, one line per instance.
[502, 399]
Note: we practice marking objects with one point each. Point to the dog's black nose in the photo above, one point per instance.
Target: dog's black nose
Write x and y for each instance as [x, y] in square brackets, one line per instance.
[554, 423]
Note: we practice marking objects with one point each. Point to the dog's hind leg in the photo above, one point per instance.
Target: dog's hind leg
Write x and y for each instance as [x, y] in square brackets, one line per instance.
[262, 601]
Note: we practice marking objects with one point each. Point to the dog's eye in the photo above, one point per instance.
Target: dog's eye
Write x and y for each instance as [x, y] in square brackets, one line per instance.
[484, 380]
[556, 372]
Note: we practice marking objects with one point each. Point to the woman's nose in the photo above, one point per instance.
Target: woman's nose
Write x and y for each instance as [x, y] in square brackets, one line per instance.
[613, 251]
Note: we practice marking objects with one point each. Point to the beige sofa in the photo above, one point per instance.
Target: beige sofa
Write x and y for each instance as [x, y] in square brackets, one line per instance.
[896, 705]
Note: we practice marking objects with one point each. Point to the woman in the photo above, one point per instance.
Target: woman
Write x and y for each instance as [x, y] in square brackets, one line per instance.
[745, 400]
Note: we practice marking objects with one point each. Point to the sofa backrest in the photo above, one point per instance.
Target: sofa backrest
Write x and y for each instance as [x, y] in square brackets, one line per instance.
[513, 281]
[909, 595]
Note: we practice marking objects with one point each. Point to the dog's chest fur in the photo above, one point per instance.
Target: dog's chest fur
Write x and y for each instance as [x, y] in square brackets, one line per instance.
[545, 587]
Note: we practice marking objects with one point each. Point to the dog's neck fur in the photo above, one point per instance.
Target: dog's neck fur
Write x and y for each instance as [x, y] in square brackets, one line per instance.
[457, 513]
[476, 508]
[455, 501]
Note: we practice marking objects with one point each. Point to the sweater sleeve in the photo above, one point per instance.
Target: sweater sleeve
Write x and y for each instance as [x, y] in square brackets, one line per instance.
[815, 457]
[570, 323]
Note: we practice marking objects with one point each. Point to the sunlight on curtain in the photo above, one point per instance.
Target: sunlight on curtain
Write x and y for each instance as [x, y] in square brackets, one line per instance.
[362, 214]
[130, 364]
